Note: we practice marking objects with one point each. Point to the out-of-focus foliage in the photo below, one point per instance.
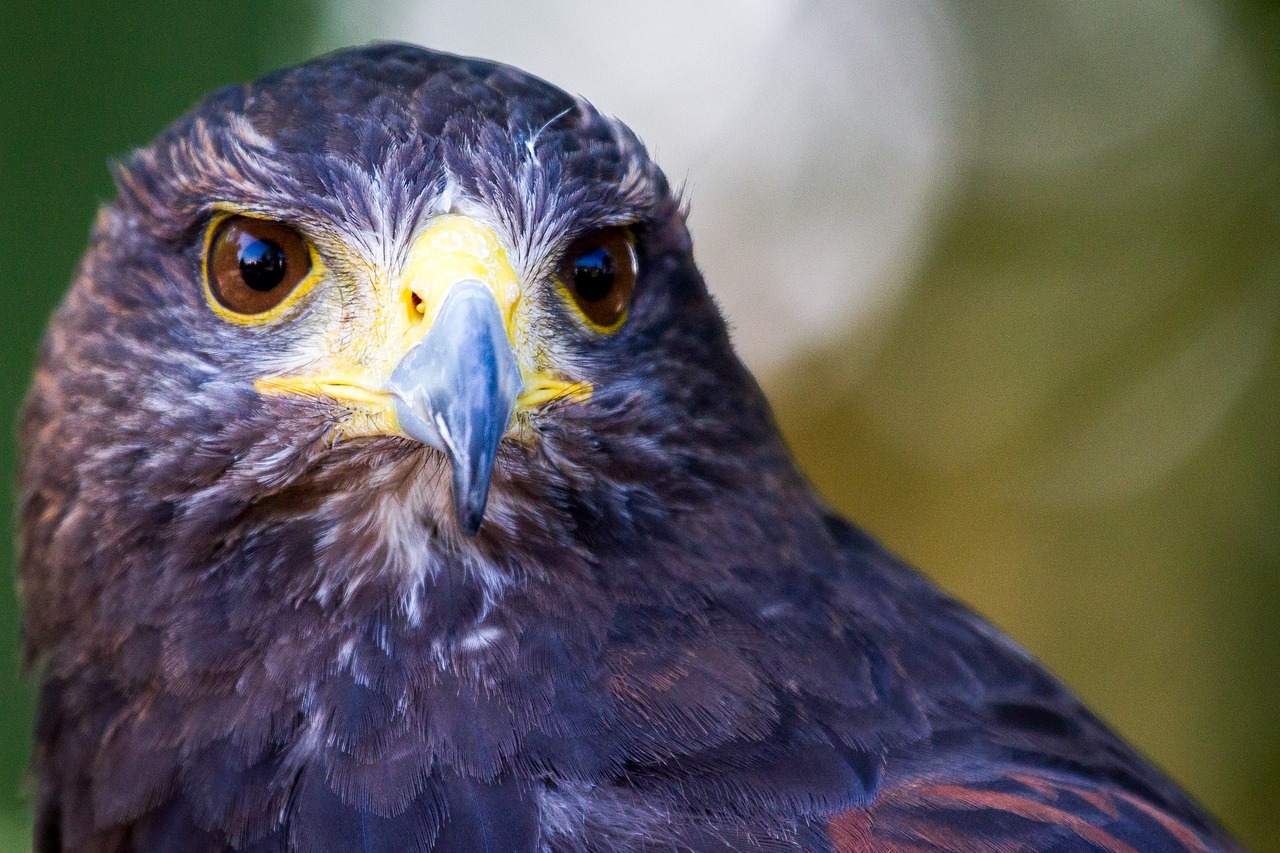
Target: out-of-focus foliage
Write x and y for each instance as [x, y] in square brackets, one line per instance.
[1069, 411]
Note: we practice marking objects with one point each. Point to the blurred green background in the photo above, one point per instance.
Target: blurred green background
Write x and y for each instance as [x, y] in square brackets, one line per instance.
[1071, 418]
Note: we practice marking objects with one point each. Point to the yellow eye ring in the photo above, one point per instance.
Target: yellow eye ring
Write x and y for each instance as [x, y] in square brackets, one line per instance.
[256, 269]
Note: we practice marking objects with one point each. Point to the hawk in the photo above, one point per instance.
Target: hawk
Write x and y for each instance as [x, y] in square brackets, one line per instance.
[389, 483]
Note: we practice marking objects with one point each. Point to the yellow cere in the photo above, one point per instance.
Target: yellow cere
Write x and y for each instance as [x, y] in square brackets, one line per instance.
[454, 249]
[364, 352]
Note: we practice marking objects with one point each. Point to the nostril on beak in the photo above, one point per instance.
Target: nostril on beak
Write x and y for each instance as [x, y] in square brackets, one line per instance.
[414, 307]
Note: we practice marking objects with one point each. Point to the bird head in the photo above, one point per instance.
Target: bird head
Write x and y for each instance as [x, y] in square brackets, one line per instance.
[387, 287]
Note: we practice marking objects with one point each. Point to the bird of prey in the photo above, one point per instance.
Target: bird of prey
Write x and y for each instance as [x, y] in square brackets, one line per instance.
[389, 484]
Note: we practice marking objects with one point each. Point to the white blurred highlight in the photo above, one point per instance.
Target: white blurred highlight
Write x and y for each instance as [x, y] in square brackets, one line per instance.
[816, 139]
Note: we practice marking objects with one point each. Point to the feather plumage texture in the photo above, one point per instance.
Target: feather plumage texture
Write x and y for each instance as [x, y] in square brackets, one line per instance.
[253, 638]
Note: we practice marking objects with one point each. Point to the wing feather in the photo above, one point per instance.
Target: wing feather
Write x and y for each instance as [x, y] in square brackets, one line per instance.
[1016, 811]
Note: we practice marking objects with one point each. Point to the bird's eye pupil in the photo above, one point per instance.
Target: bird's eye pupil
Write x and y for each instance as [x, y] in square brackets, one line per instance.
[262, 265]
[254, 264]
[593, 274]
[599, 272]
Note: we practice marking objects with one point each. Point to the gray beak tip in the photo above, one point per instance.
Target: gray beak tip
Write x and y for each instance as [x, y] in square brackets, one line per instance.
[470, 494]
[456, 391]
[469, 517]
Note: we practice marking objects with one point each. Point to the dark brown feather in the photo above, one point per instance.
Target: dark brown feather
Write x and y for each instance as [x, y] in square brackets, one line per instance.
[658, 640]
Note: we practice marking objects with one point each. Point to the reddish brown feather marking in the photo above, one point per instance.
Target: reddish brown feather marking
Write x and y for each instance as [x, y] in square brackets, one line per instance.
[906, 809]
[1022, 807]
[1185, 836]
[1106, 803]
[854, 832]
[850, 832]
[1050, 790]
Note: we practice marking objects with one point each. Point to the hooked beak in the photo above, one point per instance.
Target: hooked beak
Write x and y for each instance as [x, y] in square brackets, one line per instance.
[456, 390]
[436, 359]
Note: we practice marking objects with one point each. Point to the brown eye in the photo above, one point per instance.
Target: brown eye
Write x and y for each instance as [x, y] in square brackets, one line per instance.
[600, 272]
[254, 264]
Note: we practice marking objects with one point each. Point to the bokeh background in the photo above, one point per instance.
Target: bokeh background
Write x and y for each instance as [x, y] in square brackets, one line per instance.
[1010, 270]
